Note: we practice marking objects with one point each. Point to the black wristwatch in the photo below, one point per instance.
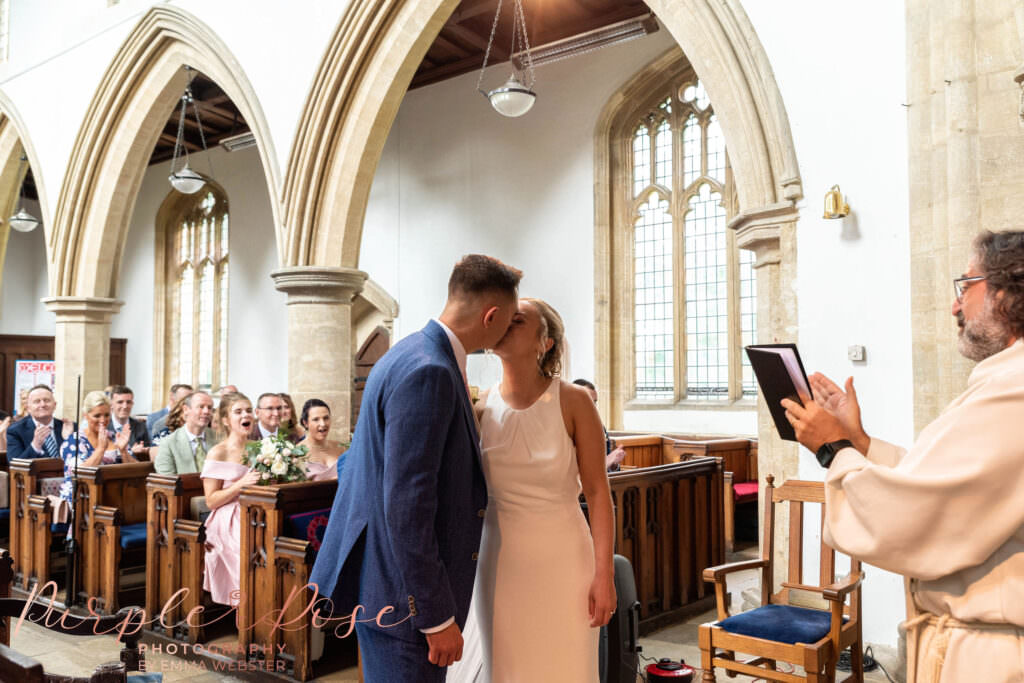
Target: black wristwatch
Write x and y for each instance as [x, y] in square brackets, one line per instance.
[829, 450]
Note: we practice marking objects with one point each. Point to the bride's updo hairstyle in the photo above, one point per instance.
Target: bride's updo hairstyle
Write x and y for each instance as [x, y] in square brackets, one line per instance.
[551, 327]
[224, 409]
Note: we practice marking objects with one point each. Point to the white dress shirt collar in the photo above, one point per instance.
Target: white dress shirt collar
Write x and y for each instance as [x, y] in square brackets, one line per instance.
[457, 348]
[263, 432]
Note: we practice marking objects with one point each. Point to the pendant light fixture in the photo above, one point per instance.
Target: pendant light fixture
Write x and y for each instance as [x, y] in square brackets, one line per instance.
[515, 96]
[185, 180]
[22, 221]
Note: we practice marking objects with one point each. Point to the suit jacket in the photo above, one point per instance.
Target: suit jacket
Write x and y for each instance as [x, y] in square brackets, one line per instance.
[139, 433]
[152, 419]
[406, 521]
[175, 453]
[19, 438]
[256, 435]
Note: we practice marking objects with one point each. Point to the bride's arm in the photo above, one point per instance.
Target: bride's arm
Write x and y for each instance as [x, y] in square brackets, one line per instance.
[587, 434]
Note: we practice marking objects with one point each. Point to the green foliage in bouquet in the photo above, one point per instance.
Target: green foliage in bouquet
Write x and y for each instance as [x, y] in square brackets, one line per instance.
[278, 460]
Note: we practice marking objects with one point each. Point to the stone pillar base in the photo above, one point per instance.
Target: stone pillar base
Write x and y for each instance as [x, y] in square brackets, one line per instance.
[320, 337]
[81, 347]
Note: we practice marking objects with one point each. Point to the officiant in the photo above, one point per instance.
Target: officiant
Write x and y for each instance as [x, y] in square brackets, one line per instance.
[946, 513]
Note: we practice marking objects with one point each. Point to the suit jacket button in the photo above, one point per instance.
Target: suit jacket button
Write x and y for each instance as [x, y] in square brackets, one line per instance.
[475, 556]
[481, 513]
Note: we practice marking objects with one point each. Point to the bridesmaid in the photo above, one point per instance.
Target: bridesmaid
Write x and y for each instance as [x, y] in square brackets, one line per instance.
[224, 476]
[322, 460]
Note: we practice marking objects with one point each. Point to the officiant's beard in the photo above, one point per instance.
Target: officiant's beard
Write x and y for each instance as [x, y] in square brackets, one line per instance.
[983, 336]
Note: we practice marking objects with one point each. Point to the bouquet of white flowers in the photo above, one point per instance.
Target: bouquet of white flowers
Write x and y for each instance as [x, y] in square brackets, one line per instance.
[277, 460]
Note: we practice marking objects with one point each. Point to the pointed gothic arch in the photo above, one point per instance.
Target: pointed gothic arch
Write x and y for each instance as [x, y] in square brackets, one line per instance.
[111, 152]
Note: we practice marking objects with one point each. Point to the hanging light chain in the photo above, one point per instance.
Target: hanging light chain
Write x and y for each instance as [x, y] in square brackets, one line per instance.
[179, 143]
[487, 53]
[521, 19]
[202, 135]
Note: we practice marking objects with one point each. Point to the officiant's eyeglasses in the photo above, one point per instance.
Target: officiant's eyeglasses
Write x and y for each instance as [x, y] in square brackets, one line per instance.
[960, 285]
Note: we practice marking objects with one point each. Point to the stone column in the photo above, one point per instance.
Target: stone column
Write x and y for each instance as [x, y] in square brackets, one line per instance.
[770, 233]
[320, 337]
[81, 346]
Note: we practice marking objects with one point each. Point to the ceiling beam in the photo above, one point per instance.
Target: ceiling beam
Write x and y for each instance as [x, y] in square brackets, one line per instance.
[479, 42]
[173, 140]
[472, 8]
[448, 45]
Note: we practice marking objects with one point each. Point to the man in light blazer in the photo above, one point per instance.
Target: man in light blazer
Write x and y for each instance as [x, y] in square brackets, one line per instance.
[184, 450]
[407, 518]
[39, 435]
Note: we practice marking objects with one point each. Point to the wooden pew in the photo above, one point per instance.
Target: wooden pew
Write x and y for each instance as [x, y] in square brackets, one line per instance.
[25, 475]
[170, 558]
[669, 524]
[110, 515]
[642, 450]
[272, 565]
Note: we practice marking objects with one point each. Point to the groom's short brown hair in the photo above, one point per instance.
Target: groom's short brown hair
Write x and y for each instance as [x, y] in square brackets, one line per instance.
[476, 274]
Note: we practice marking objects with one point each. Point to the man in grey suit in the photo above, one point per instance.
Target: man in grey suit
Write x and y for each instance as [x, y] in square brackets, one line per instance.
[122, 399]
[156, 420]
[184, 450]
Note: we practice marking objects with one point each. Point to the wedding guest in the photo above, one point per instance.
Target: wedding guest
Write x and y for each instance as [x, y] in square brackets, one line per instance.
[92, 444]
[4, 424]
[155, 421]
[269, 409]
[41, 436]
[290, 421]
[614, 455]
[224, 476]
[22, 405]
[184, 450]
[322, 462]
[172, 420]
[122, 399]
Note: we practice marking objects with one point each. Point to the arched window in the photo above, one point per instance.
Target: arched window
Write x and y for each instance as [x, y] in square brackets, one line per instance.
[691, 303]
[196, 294]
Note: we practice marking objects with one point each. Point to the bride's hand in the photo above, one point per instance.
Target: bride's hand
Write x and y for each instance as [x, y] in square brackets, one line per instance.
[602, 600]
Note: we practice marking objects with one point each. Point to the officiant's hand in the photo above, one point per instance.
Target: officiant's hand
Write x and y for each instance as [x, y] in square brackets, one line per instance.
[445, 646]
[602, 600]
[843, 405]
[814, 426]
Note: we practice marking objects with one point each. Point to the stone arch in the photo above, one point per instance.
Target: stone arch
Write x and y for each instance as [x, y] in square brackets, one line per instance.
[375, 51]
[14, 141]
[131, 105]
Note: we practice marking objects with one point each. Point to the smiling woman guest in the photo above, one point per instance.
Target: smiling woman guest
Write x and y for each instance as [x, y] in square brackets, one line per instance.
[91, 445]
[322, 461]
[224, 476]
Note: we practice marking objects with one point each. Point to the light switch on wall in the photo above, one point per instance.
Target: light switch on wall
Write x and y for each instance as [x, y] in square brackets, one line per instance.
[856, 353]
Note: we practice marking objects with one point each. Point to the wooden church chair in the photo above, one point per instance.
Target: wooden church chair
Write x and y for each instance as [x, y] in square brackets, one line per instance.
[111, 517]
[784, 628]
[17, 667]
[32, 531]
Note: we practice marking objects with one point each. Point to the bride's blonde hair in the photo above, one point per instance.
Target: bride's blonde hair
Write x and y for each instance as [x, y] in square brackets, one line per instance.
[550, 363]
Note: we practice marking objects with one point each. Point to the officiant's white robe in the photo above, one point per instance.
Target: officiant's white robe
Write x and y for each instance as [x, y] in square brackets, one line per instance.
[949, 515]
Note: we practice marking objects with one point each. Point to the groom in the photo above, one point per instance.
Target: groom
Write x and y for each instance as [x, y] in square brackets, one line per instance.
[406, 522]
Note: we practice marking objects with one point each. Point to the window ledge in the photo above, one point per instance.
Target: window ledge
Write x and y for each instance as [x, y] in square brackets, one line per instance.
[743, 404]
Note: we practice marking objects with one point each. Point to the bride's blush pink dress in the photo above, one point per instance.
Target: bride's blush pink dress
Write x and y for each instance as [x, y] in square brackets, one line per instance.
[223, 537]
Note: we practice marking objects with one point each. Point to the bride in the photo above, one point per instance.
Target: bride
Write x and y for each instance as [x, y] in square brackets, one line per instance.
[544, 580]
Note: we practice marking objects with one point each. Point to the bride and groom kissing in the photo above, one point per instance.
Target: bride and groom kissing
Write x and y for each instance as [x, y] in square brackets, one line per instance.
[472, 521]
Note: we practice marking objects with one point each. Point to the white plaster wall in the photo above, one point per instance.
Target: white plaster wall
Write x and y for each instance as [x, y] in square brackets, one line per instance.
[55, 66]
[845, 106]
[24, 283]
[456, 178]
[257, 319]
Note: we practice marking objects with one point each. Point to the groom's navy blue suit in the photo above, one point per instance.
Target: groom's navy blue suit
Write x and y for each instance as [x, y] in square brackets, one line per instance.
[406, 522]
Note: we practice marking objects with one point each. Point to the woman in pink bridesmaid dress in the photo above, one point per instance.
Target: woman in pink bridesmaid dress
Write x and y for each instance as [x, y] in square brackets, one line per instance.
[224, 476]
[322, 460]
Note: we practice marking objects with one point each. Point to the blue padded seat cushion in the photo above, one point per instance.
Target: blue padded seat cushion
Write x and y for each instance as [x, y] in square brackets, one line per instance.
[309, 526]
[781, 624]
[60, 528]
[5, 513]
[133, 535]
[148, 677]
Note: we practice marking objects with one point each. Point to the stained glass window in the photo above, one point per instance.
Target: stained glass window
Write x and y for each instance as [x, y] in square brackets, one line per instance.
[652, 272]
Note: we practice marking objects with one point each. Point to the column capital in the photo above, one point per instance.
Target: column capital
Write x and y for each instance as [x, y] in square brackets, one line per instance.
[760, 230]
[85, 309]
[319, 284]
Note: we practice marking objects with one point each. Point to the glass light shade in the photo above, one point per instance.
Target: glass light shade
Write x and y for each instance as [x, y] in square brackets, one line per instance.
[23, 221]
[186, 180]
[512, 98]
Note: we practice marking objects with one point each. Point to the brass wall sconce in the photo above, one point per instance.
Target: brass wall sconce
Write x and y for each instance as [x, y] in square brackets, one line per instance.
[835, 207]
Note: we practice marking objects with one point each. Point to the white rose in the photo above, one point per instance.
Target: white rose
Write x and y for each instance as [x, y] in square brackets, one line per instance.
[268, 447]
[286, 452]
[279, 467]
[265, 475]
[265, 459]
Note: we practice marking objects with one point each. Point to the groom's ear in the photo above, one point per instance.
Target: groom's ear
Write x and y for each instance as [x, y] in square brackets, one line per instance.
[489, 315]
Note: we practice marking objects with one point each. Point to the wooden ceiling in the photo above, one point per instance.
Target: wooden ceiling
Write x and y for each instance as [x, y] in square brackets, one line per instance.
[218, 114]
[460, 46]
